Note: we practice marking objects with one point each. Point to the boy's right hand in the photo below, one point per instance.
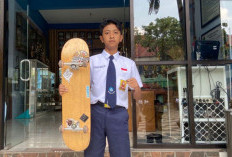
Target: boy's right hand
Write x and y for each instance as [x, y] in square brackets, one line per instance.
[61, 128]
[62, 89]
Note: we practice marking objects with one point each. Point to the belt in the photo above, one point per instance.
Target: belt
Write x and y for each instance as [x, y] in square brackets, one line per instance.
[106, 106]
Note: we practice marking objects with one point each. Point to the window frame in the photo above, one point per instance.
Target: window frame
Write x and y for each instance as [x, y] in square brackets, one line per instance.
[188, 62]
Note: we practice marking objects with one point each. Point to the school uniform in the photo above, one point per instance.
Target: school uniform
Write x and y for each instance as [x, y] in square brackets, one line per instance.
[110, 122]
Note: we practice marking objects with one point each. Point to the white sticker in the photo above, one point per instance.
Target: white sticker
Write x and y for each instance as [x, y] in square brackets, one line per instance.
[67, 75]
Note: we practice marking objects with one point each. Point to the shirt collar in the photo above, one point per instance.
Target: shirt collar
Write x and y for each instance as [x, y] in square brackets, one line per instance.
[107, 55]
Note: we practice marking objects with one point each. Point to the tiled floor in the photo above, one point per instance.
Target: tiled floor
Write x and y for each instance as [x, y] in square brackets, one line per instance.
[42, 132]
[39, 133]
[42, 138]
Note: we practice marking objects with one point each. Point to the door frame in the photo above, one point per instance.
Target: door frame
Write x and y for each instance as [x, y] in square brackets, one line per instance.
[2, 93]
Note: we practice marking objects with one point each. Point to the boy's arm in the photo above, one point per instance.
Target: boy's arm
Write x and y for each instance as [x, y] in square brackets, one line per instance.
[135, 82]
[137, 93]
[132, 82]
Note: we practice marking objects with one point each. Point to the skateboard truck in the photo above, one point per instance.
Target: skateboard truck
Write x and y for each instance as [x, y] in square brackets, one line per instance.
[79, 60]
[73, 125]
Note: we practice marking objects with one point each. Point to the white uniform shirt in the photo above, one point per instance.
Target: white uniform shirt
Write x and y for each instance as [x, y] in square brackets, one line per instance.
[125, 69]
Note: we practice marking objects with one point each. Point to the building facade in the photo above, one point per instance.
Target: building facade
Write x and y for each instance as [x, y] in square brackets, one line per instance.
[182, 49]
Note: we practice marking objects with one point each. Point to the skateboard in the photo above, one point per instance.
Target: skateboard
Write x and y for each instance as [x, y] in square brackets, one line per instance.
[76, 102]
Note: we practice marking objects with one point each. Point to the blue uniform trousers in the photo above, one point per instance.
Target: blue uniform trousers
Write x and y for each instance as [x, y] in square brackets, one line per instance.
[110, 123]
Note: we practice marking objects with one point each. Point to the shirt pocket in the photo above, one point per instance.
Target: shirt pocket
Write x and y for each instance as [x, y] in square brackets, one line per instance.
[99, 72]
[124, 73]
[123, 76]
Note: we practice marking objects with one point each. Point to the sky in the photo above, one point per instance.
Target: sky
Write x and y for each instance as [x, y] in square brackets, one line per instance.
[141, 7]
[226, 14]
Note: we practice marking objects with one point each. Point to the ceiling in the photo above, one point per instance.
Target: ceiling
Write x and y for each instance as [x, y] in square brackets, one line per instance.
[95, 15]
[75, 4]
[80, 11]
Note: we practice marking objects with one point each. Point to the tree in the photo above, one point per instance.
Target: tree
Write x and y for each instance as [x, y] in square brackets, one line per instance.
[138, 35]
[154, 5]
[164, 36]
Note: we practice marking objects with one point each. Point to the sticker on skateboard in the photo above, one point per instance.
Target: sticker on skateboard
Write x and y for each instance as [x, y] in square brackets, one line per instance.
[67, 75]
[74, 125]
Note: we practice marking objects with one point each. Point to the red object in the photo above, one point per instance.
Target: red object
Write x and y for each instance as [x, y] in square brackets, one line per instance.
[123, 69]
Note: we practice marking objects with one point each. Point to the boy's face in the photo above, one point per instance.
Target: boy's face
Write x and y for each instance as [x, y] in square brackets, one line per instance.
[111, 37]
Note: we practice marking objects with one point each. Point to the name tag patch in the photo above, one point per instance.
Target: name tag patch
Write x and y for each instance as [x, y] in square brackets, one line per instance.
[101, 66]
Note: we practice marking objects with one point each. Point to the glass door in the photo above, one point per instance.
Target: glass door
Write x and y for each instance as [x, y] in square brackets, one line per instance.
[17, 113]
[42, 88]
[36, 76]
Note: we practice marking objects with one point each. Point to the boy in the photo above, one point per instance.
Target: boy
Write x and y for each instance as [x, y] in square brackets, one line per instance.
[111, 74]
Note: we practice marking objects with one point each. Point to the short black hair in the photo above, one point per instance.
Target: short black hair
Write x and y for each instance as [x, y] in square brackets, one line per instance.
[110, 21]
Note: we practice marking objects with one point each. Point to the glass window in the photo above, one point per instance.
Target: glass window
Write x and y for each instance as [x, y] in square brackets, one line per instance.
[159, 30]
[211, 93]
[211, 22]
[226, 20]
[161, 114]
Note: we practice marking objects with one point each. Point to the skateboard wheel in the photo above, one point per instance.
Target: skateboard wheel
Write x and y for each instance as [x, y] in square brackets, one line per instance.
[61, 64]
[73, 126]
[74, 66]
[85, 129]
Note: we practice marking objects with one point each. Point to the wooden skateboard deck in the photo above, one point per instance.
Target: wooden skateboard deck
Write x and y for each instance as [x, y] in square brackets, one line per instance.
[76, 119]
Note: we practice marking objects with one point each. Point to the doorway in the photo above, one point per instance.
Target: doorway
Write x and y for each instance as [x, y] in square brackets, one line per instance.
[37, 32]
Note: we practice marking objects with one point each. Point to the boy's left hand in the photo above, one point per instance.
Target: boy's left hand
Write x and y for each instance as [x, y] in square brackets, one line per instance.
[132, 82]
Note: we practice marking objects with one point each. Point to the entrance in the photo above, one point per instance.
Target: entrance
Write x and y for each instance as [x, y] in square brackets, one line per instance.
[36, 34]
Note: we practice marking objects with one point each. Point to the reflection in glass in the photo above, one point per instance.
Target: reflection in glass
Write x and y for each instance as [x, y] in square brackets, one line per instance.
[210, 92]
[211, 22]
[158, 36]
[161, 113]
[226, 20]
